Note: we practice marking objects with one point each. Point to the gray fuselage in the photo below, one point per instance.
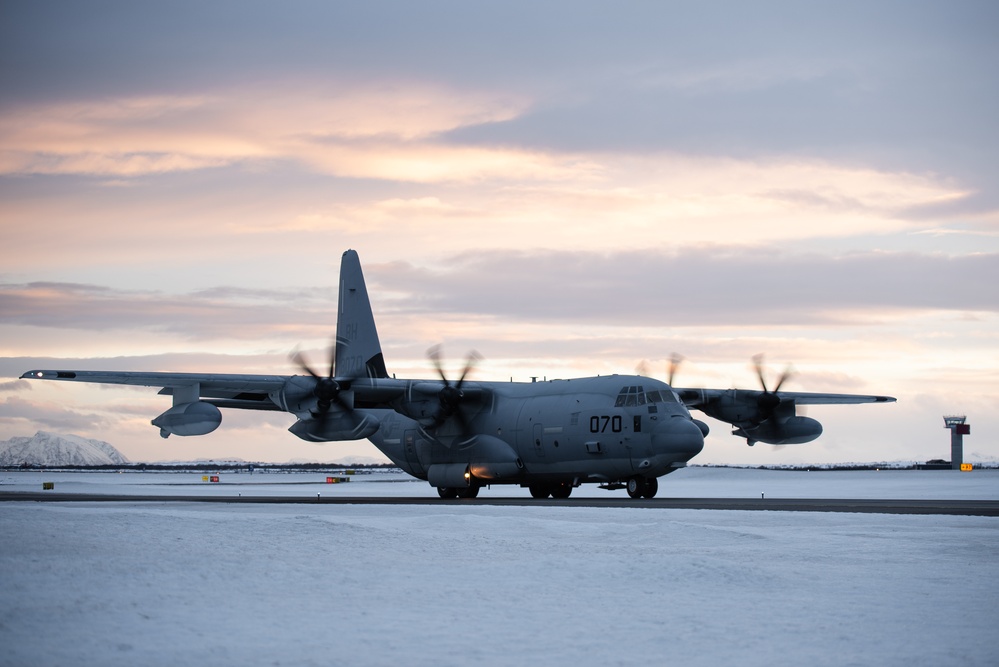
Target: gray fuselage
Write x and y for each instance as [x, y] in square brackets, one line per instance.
[597, 429]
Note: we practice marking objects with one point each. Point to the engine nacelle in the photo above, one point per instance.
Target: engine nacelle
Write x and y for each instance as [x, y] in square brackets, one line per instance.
[791, 431]
[195, 418]
[449, 475]
[492, 459]
[336, 426]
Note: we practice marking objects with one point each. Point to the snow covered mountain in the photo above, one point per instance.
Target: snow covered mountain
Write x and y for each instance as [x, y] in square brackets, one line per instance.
[53, 450]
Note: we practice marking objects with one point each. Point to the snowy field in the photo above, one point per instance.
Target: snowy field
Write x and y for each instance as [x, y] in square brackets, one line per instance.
[167, 583]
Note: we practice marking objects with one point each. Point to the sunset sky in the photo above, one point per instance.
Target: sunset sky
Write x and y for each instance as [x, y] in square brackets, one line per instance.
[569, 188]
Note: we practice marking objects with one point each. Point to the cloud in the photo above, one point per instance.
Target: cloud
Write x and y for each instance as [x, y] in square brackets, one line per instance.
[426, 162]
[223, 312]
[574, 201]
[190, 362]
[411, 133]
[690, 286]
[892, 82]
[695, 286]
[15, 409]
[16, 385]
[360, 130]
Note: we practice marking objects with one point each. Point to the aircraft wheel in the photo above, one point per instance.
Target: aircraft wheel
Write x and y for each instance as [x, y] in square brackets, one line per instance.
[636, 487]
[562, 491]
[447, 492]
[540, 491]
[470, 491]
[651, 487]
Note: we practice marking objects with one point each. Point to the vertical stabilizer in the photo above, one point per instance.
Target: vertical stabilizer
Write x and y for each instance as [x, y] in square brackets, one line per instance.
[358, 352]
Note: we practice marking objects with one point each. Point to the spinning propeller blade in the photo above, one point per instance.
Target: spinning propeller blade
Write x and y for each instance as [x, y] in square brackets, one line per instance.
[769, 400]
[675, 360]
[451, 396]
[328, 388]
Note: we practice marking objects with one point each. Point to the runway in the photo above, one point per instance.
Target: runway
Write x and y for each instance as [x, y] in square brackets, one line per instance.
[861, 505]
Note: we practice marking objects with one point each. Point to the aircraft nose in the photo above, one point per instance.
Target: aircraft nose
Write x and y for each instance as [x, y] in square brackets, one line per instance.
[678, 437]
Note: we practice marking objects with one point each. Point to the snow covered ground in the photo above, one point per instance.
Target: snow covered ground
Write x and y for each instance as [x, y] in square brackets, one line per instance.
[451, 584]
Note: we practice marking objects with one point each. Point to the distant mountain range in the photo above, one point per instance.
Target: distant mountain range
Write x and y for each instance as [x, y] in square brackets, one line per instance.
[54, 450]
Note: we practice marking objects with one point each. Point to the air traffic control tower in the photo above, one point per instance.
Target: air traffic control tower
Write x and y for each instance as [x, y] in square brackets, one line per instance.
[958, 429]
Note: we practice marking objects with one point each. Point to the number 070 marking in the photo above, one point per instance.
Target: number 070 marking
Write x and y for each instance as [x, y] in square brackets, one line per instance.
[599, 423]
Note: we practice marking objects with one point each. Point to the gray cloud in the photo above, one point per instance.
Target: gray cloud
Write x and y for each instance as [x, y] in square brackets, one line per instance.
[700, 286]
[16, 385]
[13, 367]
[900, 82]
[375, 37]
[898, 86]
[693, 286]
[218, 312]
[14, 408]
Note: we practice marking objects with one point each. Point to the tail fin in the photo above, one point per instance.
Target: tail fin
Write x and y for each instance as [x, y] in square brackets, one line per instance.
[358, 352]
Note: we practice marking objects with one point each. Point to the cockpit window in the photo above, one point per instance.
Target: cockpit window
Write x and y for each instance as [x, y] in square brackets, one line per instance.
[636, 395]
[664, 396]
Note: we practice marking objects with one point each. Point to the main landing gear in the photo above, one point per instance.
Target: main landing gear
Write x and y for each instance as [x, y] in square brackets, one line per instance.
[643, 487]
[637, 486]
[449, 492]
[558, 491]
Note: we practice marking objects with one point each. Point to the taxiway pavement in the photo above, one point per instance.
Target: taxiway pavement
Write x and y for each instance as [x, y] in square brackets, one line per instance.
[863, 505]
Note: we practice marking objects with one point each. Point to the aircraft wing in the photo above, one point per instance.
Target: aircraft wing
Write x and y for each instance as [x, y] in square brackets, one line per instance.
[767, 416]
[809, 398]
[695, 398]
[222, 389]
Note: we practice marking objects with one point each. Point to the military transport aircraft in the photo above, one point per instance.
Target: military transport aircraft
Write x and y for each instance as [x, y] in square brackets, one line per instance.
[459, 435]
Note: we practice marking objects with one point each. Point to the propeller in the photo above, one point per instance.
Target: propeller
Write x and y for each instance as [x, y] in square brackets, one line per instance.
[769, 400]
[451, 396]
[675, 360]
[328, 388]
